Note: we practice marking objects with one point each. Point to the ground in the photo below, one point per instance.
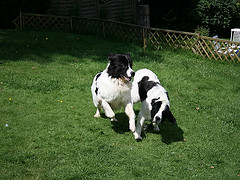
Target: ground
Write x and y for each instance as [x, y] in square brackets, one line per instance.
[48, 131]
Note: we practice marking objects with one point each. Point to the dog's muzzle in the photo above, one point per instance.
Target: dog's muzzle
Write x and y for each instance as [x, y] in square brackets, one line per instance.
[129, 76]
[156, 120]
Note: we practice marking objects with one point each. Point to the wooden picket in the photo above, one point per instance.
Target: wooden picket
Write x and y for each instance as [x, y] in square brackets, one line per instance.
[211, 48]
[42, 22]
[162, 38]
[123, 31]
[217, 49]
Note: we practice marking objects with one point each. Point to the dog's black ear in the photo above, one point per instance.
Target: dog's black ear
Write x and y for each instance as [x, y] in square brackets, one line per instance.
[171, 118]
[168, 114]
[111, 56]
[128, 56]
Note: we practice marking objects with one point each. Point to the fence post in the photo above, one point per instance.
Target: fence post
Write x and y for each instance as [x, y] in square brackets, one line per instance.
[103, 29]
[21, 21]
[71, 23]
[195, 43]
[144, 40]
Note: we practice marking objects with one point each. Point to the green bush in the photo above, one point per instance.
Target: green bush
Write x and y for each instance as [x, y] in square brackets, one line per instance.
[217, 15]
[202, 31]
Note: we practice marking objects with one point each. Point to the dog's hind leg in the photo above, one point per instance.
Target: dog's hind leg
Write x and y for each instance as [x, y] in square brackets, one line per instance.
[108, 110]
[131, 115]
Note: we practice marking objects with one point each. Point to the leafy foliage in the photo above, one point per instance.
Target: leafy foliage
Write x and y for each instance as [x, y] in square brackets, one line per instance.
[202, 31]
[216, 14]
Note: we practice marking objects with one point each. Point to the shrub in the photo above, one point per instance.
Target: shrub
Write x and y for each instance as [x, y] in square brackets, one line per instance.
[202, 31]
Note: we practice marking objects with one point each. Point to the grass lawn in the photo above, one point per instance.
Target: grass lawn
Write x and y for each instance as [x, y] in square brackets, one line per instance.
[47, 128]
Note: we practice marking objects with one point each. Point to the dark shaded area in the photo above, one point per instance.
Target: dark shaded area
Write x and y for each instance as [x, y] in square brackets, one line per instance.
[43, 47]
[9, 10]
[122, 125]
[187, 15]
[174, 14]
[219, 16]
[169, 132]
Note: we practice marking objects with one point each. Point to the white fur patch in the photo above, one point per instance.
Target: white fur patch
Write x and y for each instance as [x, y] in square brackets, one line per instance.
[111, 94]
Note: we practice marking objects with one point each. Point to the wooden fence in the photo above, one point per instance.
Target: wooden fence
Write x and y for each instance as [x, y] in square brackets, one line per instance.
[210, 48]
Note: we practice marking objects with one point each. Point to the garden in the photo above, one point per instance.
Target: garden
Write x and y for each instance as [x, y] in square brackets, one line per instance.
[48, 131]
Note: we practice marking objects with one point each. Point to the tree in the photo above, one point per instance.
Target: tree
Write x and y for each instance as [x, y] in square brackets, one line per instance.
[217, 15]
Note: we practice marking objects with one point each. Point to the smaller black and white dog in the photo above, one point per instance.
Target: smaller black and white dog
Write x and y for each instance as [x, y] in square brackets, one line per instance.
[155, 105]
[111, 88]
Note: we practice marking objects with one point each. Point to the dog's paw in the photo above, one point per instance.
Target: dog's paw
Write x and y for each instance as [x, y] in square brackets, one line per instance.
[137, 136]
[97, 115]
[132, 128]
[114, 119]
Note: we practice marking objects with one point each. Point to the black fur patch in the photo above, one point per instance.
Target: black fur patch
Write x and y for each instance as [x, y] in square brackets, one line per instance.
[96, 91]
[155, 107]
[167, 96]
[98, 75]
[167, 114]
[144, 86]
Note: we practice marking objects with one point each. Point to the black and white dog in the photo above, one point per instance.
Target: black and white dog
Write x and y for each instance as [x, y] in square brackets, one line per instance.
[111, 88]
[154, 99]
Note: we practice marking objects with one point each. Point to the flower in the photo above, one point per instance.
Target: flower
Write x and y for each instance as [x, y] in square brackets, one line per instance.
[10, 99]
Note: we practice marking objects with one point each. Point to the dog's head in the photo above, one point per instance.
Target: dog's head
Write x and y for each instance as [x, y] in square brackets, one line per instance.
[120, 66]
[160, 111]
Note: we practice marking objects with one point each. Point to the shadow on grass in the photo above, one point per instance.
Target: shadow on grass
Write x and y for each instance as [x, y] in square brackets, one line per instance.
[122, 125]
[47, 47]
[169, 132]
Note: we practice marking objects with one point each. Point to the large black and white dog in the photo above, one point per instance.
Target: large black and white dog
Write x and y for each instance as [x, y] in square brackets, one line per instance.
[155, 105]
[111, 88]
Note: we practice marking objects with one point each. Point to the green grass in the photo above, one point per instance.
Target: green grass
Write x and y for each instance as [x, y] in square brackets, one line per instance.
[52, 133]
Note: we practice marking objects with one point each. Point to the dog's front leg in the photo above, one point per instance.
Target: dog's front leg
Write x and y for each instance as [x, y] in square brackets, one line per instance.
[131, 115]
[97, 112]
[108, 110]
[139, 126]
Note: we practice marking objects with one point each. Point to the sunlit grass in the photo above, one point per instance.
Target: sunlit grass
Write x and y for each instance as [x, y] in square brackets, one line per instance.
[48, 131]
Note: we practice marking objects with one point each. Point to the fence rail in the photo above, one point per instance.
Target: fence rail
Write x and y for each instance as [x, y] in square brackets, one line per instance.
[211, 48]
